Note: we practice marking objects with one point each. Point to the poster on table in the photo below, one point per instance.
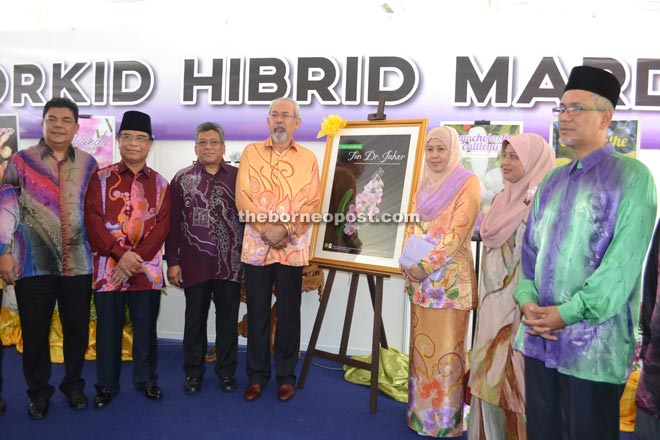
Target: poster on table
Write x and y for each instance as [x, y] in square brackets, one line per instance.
[96, 136]
[481, 143]
[371, 170]
[623, 134]
[9, 137]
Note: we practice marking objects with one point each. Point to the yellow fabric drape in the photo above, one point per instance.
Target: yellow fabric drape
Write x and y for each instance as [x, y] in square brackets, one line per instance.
[10, 327]
[10, 334]
[392, 373]
[627, 409]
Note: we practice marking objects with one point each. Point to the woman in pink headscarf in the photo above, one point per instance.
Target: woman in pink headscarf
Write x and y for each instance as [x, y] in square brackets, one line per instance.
[497, 381]
[442, 286]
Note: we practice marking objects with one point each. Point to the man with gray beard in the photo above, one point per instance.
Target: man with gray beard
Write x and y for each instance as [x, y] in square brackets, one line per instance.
[277, 177]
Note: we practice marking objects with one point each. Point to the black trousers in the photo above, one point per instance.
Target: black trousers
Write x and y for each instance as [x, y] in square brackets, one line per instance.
[259, 282]
[36, 298]
[647, 427]
[143, 307]
[564, 407]
[227, 299]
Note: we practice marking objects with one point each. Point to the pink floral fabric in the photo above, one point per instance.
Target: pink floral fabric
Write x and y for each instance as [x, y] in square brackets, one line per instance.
[286, 183]
[437, 371]
[452, 256]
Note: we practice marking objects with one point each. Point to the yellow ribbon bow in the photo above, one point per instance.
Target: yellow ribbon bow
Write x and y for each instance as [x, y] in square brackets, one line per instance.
[330, 126]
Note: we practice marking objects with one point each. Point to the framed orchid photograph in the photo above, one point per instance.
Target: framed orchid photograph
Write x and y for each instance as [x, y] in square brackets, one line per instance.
[371, 170]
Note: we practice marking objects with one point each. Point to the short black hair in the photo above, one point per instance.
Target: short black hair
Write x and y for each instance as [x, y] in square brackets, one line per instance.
[59, 103]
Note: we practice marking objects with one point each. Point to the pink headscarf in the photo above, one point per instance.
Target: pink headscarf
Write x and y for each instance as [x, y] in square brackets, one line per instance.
[509, 208]
[436, 190]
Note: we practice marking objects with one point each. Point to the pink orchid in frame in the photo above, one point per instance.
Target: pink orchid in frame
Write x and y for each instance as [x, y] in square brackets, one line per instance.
[365, 208]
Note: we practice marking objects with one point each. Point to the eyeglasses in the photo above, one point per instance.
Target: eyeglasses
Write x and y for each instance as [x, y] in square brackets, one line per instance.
[140, 138]
[212, 143]
[574, 110]
[283, 116]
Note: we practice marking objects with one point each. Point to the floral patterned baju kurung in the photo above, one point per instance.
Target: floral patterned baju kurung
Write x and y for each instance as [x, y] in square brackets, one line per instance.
[497, 379]
[440, 314]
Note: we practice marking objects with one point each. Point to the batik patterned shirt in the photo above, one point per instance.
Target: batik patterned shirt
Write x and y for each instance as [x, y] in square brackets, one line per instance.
[127, 212]
[282, 183]
[41, 211]
[205, 236]
[648, 390]
[583, 251]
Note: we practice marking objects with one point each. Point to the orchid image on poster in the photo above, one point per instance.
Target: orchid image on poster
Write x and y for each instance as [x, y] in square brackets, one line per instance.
[366, 203]
[96, 136]
[623, 134]
[9, 138]
[481, 142]
[371, 171]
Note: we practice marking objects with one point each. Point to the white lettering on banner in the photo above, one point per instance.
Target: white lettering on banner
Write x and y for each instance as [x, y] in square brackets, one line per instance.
[351, 81]
[494, 85]
[130, 82]
[228, 81]
[265, 79]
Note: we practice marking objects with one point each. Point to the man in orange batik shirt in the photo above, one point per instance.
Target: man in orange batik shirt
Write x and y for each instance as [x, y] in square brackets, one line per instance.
[278, 184]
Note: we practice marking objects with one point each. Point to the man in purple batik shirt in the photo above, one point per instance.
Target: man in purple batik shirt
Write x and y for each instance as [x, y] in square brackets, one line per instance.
[44, 252]
[203, 252]
[582, 254]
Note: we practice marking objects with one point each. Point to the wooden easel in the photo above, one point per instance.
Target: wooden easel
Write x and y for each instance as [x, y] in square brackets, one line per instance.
[378, 339]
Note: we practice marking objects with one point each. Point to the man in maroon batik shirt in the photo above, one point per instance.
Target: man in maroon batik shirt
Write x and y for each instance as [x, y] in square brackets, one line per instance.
[203, 253]
[127, 215]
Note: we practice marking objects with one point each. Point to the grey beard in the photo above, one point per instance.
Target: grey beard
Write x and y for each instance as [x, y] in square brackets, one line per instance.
[280, 137]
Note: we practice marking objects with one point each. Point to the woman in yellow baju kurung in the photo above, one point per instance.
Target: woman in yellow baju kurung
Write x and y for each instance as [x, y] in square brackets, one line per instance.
[441, 286]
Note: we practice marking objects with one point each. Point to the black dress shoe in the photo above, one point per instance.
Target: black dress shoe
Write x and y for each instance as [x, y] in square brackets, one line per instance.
[38, 409]
[3, 406]
[103, 398]
[228, 384]
[78, 400]
[192, 385]
[152, 391]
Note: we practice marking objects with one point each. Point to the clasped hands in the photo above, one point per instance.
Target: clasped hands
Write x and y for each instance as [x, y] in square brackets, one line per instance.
[542, 321]
[126, 267]
[275, 235]
[415, 273]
